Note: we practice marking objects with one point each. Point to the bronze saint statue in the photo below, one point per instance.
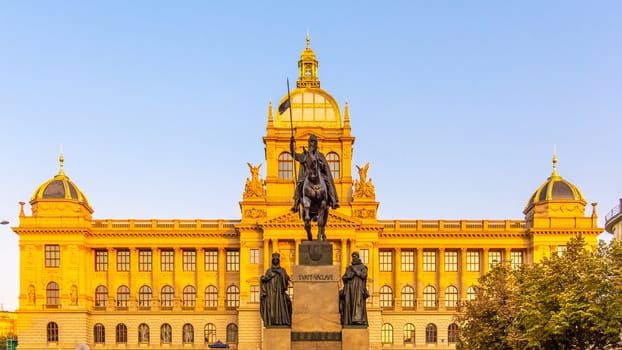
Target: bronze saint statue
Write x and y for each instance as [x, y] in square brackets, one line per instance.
[315, 187]
[353, 296]
[275, 304]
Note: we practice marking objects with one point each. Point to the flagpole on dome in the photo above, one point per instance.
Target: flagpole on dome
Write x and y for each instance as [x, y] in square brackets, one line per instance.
[287, 105]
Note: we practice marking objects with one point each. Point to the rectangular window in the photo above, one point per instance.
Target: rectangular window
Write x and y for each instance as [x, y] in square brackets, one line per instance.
[494, 259]
[189, 258]
[364, 255]
[429, 261]
[408, 260]
[144, 260]
[516, 258]
[101, 260]
[561, 249]
[472, 261]
[167, 260]
[233, 260]
[386, 261]
[254, 256]
[52, 255]
[211, 260]
[451, 261]
[254, 294]
[123, 260]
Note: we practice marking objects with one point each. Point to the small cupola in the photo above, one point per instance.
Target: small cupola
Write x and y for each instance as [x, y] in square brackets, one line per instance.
[307, 67]
[60, 189]
[556, 197]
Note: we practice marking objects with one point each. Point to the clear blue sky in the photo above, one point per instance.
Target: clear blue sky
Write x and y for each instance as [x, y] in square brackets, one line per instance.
[159, 105]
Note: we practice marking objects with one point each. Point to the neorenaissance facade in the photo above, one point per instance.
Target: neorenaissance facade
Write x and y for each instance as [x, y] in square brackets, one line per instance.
[88, 282]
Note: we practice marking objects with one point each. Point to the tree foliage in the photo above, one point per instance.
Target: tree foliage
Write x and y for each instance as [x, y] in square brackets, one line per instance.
[567, 301]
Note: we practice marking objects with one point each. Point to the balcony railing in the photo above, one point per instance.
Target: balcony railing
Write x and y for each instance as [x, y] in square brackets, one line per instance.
[613, 212]
[165, 224]
[452, 225]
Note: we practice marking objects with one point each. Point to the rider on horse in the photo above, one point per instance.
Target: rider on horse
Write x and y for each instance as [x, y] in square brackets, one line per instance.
[325, 172]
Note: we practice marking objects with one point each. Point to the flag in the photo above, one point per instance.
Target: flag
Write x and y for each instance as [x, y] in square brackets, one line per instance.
[284, 106]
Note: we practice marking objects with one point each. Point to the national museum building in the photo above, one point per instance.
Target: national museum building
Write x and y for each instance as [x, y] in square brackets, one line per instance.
[88, 282]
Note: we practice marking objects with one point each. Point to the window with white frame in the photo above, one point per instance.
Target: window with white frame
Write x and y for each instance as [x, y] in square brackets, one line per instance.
[472, 260]
[386, 260]
[408, 260]
[451, 261]
[429, 260]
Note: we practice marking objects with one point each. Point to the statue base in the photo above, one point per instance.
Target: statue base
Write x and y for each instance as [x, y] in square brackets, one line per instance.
[315, 253]
[277, 338]
[316, 322]
[355, 338]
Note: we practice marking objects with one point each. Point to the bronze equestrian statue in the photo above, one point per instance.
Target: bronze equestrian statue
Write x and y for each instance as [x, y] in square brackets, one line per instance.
[315, 188]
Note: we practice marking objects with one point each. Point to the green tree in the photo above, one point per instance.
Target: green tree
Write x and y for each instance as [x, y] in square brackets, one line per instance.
[487, 318]
[571, 300]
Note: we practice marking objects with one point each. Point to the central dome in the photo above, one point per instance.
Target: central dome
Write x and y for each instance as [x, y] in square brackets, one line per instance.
[310, 106]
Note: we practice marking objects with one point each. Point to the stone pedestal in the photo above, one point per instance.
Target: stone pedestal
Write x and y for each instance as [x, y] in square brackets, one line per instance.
[316, 323]
[277, 338]
[354, 338]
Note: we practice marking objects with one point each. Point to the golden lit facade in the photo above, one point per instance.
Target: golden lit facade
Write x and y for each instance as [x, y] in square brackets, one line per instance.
[7, 324]
[163, 284]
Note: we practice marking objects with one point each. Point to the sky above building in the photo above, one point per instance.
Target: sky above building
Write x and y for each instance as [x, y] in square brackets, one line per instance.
[158, 105]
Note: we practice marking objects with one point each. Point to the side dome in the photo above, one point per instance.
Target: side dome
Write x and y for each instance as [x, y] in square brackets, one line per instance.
[59, 188]
[555, 188]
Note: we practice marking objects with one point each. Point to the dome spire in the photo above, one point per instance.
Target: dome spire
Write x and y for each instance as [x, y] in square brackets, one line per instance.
[307, 68]
[61, 160]
[554, 174]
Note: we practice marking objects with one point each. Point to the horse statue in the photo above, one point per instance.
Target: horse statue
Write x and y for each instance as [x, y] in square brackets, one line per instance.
[314, 198]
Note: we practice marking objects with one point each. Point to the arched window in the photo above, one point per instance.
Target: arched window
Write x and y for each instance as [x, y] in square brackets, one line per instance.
[121, 333]
[408, 297]
[101, 295]
[99, 333]
[386, 333]
[123, 296]
[144, 296]
[285, 166]
[52, 332]
[188, 335]
[471, 293]
[452, 333]
[333, 164]
[210, 333]
[429, 296]
[52, 292]
[143, 333]
[168, 294]
[233, 296]
[166, 333]
[232, 333]
[409, 333]
[190, 296]
[386, 296]
[430, 333]
[451, 297]
[211, 297]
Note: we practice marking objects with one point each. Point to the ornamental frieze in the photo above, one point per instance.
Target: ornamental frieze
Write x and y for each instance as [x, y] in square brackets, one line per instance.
[254, 213]
[364, 213]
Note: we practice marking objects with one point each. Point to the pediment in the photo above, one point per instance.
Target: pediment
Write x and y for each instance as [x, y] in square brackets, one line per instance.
[288, 218]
